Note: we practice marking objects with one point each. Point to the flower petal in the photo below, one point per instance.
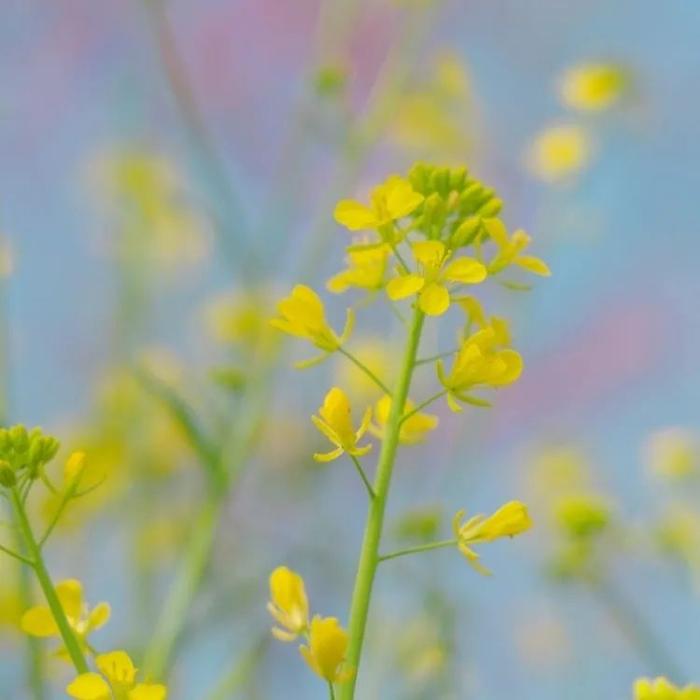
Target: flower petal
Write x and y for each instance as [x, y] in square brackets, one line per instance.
[434, 299]
[354, 215]
[465, 270]
[404, 286]
[39, 622]
[533, 264]
[89, 686]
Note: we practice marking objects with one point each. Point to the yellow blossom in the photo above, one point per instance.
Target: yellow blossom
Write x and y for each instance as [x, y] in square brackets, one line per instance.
[582, 516]
[432, 282]
[335, 422]
[326, 651]
[302, 314]
[288, 604]
[510, 249]
[509, 520]
[413, 429]
[661, 689]
[390, 201]
[592, 87]
[480, 362]
[117, 679]
[366, 270]
[559, 152]
[39, 621]
[673, 453]
[75, 464]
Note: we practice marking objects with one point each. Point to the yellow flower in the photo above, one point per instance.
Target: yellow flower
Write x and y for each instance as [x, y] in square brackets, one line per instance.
[75, 464]
[378, 355]
[288, 604]
[673, 453]
[592, 87]
[559, 152]
[582, 516]
[302, 314]
[118, 681]
[434, 278]
[413, 429]
[39, 621]
[661, 689]
[325, 654]
[335, 422]
[509, 520]
[366, 270]
[480, 362]
[510, 249]
[392, 200]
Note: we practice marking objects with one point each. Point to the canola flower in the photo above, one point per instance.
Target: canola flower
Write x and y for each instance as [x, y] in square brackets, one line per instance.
[288, 604]
[592, 87]
[558, 153]
[116, 680]
[425, 238]
[662, 689]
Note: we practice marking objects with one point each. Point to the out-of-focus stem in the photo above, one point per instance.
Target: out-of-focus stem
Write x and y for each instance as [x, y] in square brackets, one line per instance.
[69, 639]
[369, 555]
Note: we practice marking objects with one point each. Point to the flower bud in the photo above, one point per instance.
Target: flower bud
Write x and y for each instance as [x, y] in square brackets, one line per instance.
[7, 475]
[19, 438]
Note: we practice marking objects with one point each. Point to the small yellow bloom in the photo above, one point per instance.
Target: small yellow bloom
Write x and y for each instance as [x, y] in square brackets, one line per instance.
[432, 282]
[510, 249]
[480, 362]
[661, 689]
[390, 201]
[582, 516]
[366, 270]
[325, 654]
[413, 429]
[75, 464]
[559, 152]
[592, 87]
[335, 422]
[118, 681]
[288, 604]
[39, 621]
[509, 520]
[673, 453]
[302, 314]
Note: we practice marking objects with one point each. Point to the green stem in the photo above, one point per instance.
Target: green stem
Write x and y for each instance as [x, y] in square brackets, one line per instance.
[422, 405]
[69, 639]
[369, 555]
[331, 691]
[363, 476]
[361, 365]
[432, 358]
[182, 593]
[418, 548]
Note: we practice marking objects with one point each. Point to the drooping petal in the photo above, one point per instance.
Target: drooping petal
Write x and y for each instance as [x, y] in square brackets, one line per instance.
[39, 622]
[497, 231]
[533, 264]
[89, 686]
[328, 456]
[354, 215]
[99, 616]
[404, 286]
[434, 299]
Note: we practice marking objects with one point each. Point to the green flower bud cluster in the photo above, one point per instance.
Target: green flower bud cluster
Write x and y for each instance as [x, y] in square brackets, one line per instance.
[453, 200]
[24, 453]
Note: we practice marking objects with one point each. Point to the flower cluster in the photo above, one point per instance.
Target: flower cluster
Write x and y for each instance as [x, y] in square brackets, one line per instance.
[327, 641]
[662, 689]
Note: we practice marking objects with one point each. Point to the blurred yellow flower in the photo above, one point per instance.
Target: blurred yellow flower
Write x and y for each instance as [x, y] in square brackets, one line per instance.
[366, 270]
[390, 201]
[326, 650]
[582, 516]
[335, 422]
[480, 362]
[661, 689]
[432, 282]
[240, 318]
[288, 604]
[39, 621]
[510, 249]
[592, 87]
[302, 314]
[118, 681]
[559, 152]
[413, 429]
[509, 520]
[673, 453]
[75, 464]
[378, 355]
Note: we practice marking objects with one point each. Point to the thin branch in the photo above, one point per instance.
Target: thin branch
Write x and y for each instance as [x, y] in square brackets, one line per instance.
[423, 405]
[432, 358]
[19, 557]
[363, 476]
[366, 370]
[418, 548]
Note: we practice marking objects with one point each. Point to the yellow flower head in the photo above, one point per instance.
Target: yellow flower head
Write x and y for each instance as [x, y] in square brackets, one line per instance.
[673, 453]
[366, 270]
[559, 152]
[75, 464]
[325, 654]
[510, 250]
[592, 87]
[390, 201]
[480, 362]
[661, 689]
[335, 422]
[509, 520]
[39, 621]
[413, 429]
[582, 516]
[288, 604]
[302, 314]
[117, 679]
[433, 280]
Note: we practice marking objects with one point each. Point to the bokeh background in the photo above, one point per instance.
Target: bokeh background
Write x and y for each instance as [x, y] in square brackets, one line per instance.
[162, 164]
